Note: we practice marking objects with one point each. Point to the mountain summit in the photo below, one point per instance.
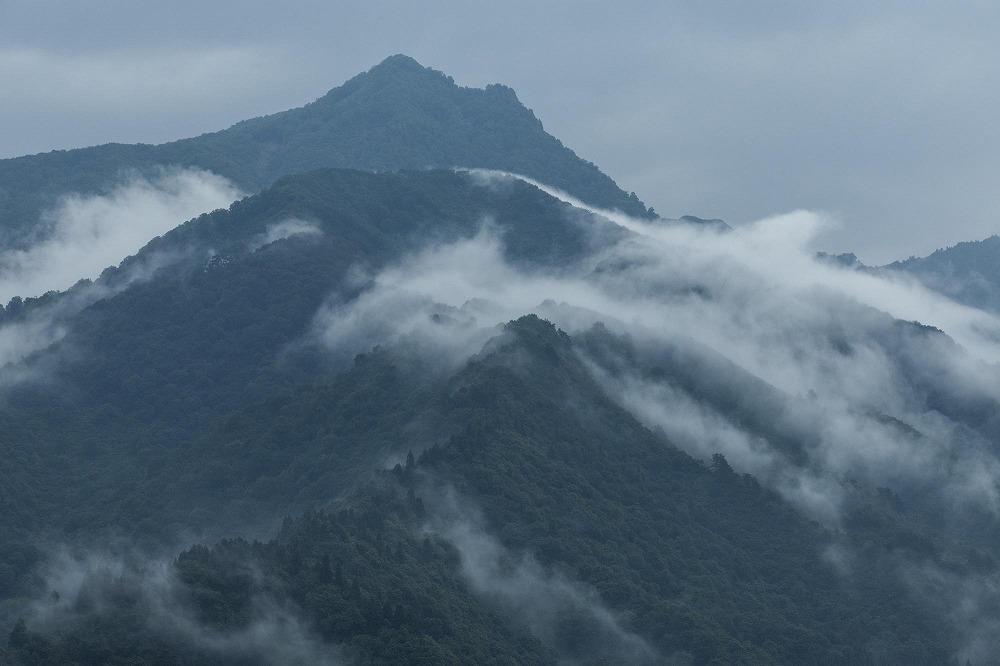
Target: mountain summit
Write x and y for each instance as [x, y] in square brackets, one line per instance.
[398, 115]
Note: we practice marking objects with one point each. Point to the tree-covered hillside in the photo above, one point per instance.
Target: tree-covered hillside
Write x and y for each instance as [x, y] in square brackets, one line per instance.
[143, 371]
[456, 490]
[398, 115]
[638, 553]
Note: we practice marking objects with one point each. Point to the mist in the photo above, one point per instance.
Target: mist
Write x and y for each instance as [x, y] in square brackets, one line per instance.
[811, 376]
[26, 329]
[970, 602]
[865, 394]
[285, 229]
[80, 585]
[564, 614]
[84, 234]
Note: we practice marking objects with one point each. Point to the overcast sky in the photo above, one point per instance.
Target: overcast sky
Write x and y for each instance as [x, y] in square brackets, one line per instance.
[885, 118]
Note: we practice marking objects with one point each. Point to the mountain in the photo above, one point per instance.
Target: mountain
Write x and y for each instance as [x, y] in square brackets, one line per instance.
[146, 368]
[457, 490]
[644, 555]
[967, 272]
[398, 115]
[435, 415]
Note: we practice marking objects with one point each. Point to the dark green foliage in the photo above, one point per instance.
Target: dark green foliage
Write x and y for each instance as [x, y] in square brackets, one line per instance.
[697, 560]
[191, 403]
[399, 115]
[706, 560]
[131, 428]
[401, 603]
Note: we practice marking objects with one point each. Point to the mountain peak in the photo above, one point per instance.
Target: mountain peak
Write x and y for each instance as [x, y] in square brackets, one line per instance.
[400, 67]
[539, 337]
[397, 115]
[398, 61]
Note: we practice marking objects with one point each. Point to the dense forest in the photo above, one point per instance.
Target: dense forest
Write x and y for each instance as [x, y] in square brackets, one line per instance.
[695, 562]
[197, 398]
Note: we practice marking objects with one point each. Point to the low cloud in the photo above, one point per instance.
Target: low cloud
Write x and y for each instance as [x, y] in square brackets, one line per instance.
[860, 394]
[285, 229]
[812, 376]
[563, 614]
[82, 236]
[87, 584]
[85, 234]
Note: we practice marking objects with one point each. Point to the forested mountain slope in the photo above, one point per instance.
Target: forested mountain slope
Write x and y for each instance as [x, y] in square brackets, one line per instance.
[334, 349]
[155, 360]
[640, 554]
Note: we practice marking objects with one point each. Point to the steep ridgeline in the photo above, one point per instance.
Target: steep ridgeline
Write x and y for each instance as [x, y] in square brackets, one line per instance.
[638, 553]
[967, 272]
[398, 115]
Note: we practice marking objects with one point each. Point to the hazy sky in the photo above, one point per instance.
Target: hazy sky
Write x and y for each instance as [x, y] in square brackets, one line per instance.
[886, 118]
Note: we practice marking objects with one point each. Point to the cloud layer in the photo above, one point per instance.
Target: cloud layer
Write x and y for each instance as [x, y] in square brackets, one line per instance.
[861, 393]
[826, 383]
[86, 234]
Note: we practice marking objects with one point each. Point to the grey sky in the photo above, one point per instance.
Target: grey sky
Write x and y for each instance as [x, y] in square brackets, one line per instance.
[885, 118]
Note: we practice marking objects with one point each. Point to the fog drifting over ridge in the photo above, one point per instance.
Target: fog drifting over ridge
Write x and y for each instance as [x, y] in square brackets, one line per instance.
[84, 234]
[814, 348]
[828, 340]
[804, 373]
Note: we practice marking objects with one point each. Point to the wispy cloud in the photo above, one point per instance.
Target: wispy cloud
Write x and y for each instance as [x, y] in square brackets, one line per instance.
[825, 339]
[549, 604]
[85, 234]
[81, 583]
[285, 229]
